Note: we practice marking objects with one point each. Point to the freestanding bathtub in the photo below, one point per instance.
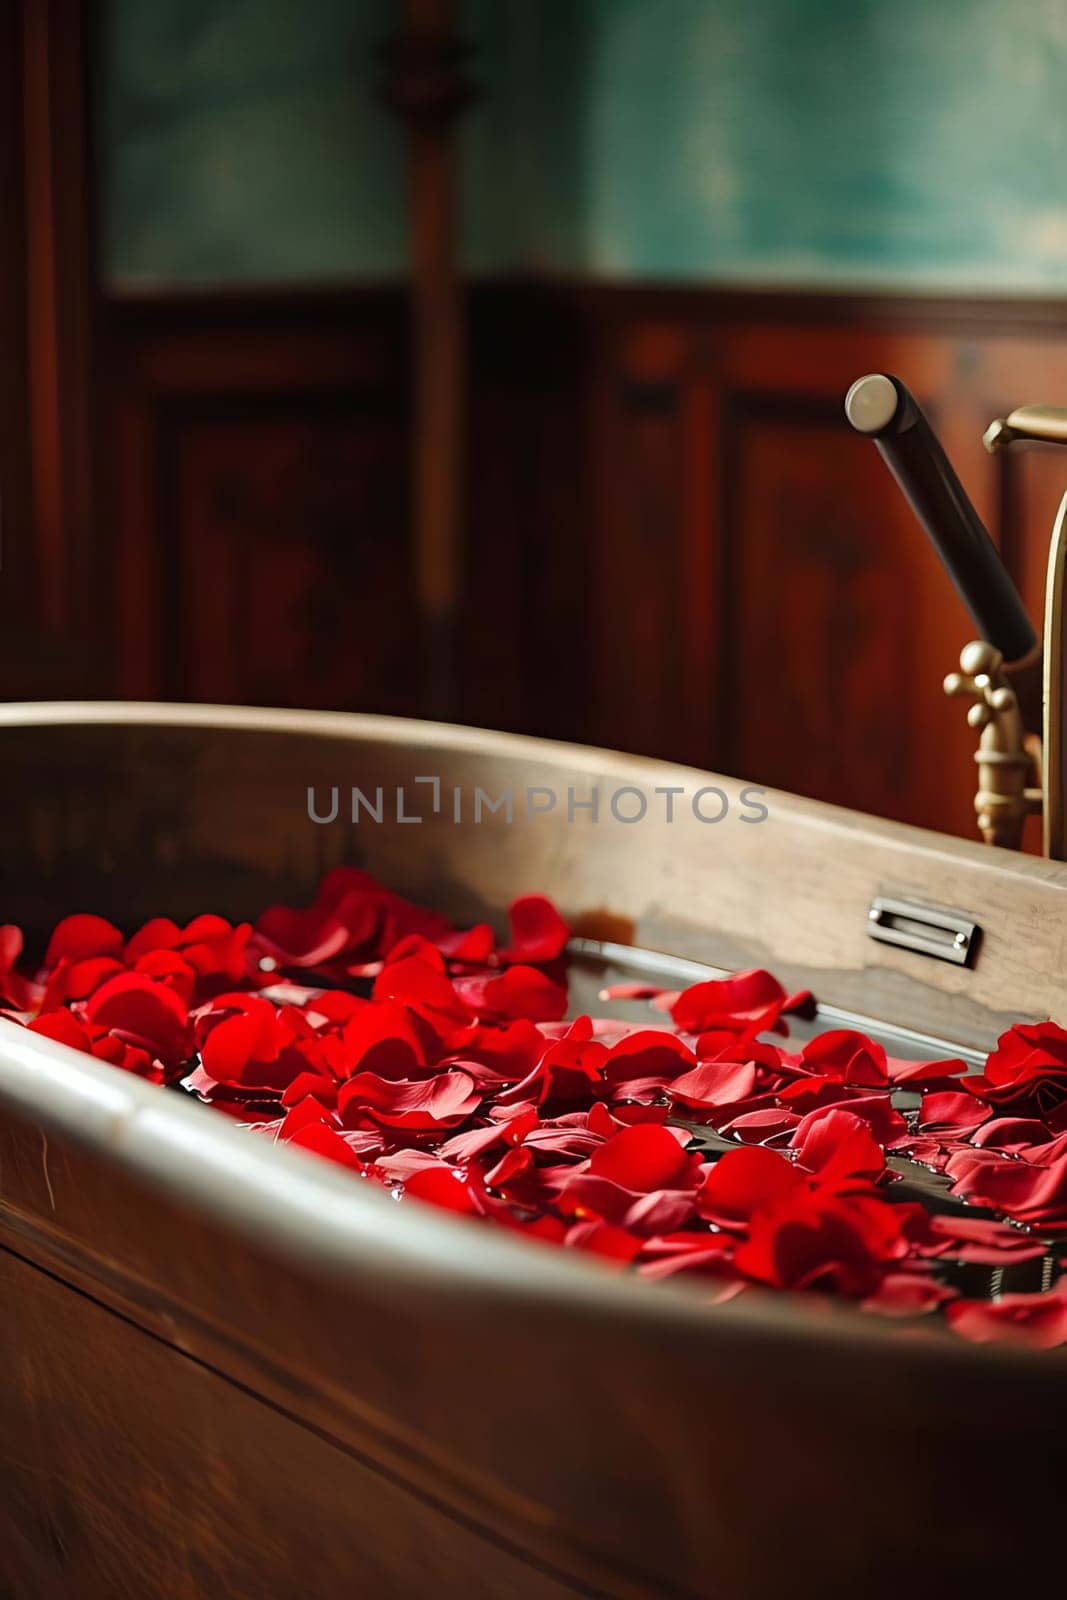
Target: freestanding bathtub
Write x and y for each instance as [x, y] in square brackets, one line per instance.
[231, 1370]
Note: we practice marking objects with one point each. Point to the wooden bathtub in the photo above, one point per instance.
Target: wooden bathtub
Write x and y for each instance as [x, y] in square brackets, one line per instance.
[228, 1369]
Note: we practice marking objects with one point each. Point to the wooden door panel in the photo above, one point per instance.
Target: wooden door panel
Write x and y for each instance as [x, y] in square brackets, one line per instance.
[840, 623]
[291, 563]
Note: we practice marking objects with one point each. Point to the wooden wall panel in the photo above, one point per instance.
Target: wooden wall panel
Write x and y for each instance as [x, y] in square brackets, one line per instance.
[289, 560]
[525, 633]
[838, 619]
[828, 622]
[52, 629]
[260, 481]
[638, 539]
[655, 550]
[819, 679]
[259, 489]
[672, 542]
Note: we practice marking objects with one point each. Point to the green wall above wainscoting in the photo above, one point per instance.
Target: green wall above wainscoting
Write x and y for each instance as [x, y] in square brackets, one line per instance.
[245, 140]
[920, 143]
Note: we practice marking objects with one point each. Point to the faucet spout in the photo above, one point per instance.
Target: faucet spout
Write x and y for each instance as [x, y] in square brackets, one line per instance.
[1043, 424]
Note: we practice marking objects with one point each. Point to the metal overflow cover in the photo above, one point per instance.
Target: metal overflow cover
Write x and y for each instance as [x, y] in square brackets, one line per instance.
[928, 930]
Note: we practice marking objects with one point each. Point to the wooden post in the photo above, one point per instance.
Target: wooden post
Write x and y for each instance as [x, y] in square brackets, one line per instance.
[428, 87]
[53, 586]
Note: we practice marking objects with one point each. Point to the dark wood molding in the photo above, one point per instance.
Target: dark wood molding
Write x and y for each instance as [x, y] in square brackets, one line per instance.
[841, 307]
[133, 304]
[16, 571]
[130, 310]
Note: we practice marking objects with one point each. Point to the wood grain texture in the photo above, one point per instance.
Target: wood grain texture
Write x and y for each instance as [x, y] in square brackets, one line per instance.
[131, 1468]
[131, 808]
[189, 1411]
[428, 87]
[52, 629]
[226, 1368]
[664, 503]
[288, 557]
[830, 615]
[259, 489]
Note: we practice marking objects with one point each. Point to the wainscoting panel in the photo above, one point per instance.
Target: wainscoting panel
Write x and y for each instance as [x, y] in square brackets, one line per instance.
[675, 545]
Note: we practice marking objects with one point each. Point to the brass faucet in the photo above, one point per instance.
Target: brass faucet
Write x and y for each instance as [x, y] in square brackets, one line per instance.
[1045, 424]
[1019, 772]
[1009, 759]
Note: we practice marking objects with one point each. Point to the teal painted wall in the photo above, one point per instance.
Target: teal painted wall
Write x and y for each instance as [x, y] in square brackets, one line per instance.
[921, 142]
[245, 140]
[816, 139]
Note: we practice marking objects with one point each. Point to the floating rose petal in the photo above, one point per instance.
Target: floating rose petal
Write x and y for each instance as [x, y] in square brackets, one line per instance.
[471, 949]
[887, 1125]
[214, 950]
[836, 1145]
[463, 1147]
[704, 1253]
[955, 1113]
[713, 1083]
[1028, 1069]
[843, 1056]
[603, 1239]
[647, 1158]
[17, 990]
[443, 1186]
[981, 1241]
[458, 1083]
[79, 937]
[630, 991]
[927, 1073]
[746, 1000]
[352, 916]
[743, 1181]
[66, 1029]
[1034, 1319]
[908, 1294]
[321, 1139]
[419, 982]
[641, 1064]
[822, 1239]
[1020, 1189]
[518, 992]
[426, 1106]
[384, 1039]
[583, 1194]
[761, 1127]
[569, 1070]
[538, 932]
[150, 1016]
[1012, 1135]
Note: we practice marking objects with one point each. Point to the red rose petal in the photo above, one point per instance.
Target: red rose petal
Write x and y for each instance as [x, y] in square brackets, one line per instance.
[81, 936]
[144, 1012]
[644, 1158]
[1035, 1319]
[742, 1181]
[442, 1186]
[837, 1145]
[714, 1083]
[538, 932]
